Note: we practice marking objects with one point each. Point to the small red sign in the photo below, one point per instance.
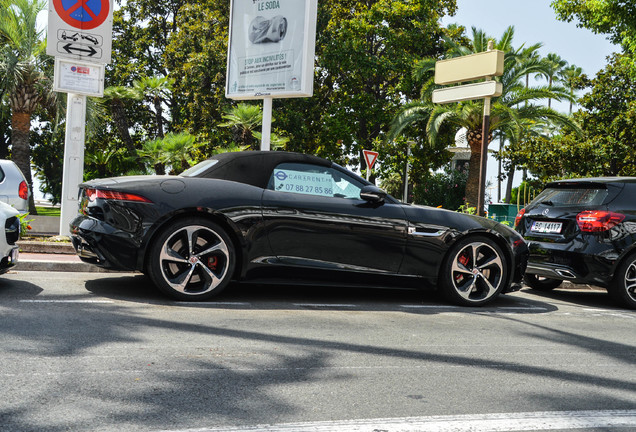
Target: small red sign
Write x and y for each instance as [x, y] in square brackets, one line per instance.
[370, 157]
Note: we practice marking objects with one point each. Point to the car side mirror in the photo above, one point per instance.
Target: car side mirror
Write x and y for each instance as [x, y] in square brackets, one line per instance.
[372, 194]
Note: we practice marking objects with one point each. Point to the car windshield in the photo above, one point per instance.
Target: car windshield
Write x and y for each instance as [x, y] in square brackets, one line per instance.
[199, 168]
[566, 197]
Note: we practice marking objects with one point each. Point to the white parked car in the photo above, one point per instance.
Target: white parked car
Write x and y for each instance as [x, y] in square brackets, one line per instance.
[8, 241]
[13, 186]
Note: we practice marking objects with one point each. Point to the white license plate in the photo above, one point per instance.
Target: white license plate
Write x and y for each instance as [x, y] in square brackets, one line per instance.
[546, 227]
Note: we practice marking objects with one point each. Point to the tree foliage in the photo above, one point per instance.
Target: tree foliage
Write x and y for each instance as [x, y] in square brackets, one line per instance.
[512, 113]
[165, 106]
[608, 119]
[616, 18]
[23, 75]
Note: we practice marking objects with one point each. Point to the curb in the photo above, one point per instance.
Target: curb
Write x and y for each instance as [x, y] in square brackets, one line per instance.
[43, 247]
[27, 264]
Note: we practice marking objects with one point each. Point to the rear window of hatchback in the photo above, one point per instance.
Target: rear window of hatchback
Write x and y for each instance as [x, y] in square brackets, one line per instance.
[572, 196]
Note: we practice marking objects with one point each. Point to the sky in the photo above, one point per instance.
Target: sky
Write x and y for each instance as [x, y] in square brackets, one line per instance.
[534, 21]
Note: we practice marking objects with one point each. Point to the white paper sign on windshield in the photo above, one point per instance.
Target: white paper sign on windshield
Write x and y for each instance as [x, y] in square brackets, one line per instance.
[303, 182]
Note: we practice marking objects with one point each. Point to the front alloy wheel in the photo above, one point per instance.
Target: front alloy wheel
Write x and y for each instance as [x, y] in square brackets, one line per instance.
[192, 260]
[475, 272]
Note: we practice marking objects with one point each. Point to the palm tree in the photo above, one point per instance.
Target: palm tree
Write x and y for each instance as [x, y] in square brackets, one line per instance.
[175, 150]
[104, 160]
[22, 76]
[115, 98]
[244, 119]
[154, 153]
[158, 90]
[554, 64]
[276, 141]
[509, 112]
[569, 76]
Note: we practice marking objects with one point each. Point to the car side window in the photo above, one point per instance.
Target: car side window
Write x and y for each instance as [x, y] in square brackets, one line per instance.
[316, 180]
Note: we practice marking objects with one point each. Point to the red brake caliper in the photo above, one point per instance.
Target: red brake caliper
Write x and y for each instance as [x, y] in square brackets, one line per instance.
[213, 262]
[463, 260]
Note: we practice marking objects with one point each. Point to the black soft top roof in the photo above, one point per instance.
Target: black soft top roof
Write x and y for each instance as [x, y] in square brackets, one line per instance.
[254, 167]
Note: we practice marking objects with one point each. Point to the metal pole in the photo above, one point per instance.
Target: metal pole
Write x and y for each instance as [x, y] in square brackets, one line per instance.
[73, 165]
[267, 124]
[406, 173]
[499, 172]
[481, 211]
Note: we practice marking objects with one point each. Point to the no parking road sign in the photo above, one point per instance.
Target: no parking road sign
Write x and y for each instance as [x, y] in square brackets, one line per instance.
[81, 30]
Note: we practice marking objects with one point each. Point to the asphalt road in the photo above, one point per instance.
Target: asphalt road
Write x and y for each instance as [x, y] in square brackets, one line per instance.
[106, 352]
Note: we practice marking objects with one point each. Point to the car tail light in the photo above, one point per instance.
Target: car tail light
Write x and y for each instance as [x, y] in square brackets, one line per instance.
[93, 194]
[23, 190]
[519, 216]
[598, 220]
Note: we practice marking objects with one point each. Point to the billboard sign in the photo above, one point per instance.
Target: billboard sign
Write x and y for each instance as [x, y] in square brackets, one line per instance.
[271, 49]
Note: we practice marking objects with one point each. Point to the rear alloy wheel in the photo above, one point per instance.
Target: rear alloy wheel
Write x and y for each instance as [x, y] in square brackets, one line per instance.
[475, 272]
[541, 283]
[623, 288]
[192, 259]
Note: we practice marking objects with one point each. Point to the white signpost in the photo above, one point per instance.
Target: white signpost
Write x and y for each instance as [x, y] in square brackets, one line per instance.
[271, 52]
[485, 65]
[80, 38]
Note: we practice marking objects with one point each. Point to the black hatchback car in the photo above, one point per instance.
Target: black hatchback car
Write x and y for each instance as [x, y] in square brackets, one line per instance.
[584, 231]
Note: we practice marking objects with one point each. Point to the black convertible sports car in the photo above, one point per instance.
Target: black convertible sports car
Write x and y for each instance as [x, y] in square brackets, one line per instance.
[287, 217]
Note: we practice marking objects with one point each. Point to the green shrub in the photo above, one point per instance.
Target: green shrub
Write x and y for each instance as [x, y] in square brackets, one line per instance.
[446, 189]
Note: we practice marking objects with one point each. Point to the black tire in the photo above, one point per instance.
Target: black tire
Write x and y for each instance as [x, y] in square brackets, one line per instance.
[623, 287]
[541, 283]
[474, 272]
[192, 259]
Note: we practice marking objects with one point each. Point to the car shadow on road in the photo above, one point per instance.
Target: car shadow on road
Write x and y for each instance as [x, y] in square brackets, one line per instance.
[140, 289]
[10, 288]
[592, 298]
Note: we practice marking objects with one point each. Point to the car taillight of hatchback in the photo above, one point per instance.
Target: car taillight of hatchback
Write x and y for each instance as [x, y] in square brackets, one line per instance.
[598, 220]
[23, 190]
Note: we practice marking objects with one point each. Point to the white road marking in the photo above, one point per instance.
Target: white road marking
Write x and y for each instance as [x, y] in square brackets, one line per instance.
[213, 303]
[324, 305]
[505, 422]
[65, 301]
[497, 309]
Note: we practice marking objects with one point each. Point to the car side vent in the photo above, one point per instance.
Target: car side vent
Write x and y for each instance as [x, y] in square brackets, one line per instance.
[12, 230]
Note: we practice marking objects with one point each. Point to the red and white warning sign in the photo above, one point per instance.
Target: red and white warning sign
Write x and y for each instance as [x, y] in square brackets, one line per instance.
[80, 30]
[370, 157]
